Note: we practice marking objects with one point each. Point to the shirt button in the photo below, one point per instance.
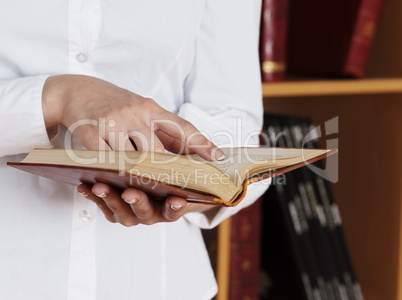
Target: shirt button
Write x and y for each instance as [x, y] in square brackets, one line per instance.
[81, 57]
[85, 216]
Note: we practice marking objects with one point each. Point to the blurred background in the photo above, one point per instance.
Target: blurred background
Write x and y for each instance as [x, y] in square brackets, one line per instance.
[322, 61]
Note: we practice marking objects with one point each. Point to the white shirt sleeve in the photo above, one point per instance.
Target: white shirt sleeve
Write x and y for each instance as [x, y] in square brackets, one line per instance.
[22, 126]
[223, 89]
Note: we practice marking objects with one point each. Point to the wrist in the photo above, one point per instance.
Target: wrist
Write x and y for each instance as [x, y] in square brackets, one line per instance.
[53, 98]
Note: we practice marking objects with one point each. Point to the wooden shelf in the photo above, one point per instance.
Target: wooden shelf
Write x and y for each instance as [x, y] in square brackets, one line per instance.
[332, 87]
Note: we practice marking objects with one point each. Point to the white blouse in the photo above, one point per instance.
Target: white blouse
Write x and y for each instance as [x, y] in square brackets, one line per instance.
[197, 58]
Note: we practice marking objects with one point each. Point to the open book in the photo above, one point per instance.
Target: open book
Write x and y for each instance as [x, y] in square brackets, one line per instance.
[161, 175]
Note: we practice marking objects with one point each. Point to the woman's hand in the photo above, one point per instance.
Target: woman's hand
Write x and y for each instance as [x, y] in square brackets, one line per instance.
[133, 207]
[104, 116]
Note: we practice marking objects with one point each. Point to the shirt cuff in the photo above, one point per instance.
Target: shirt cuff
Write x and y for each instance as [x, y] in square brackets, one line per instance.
[21, 115]
[254, 191]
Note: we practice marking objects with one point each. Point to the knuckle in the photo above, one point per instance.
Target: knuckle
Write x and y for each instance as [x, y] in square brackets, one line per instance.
[185, 125]
[148, 104]
[112, 206]
[148, 222]
[111, 219]
[89, 132]
[172, 217]
[142, 212]
[128, 223]
[206, 142]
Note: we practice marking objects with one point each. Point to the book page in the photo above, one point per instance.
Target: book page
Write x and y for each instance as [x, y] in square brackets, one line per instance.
[237, 159]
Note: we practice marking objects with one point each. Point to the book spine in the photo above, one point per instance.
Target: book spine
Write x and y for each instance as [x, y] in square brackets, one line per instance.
[273, 40]
[245, 253]
[362, 38]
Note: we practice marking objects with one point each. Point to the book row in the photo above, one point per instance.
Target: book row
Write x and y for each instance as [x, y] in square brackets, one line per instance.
[290, 244]
[302, 241]
[314, 37]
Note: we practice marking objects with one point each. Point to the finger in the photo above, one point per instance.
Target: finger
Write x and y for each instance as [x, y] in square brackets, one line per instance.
[146, 140]
[172, 144]
[90, 139]
[141, 205]
[112, 198]
[85, 190]
[119, 140]
[189, 136]
[174, 208]
[96, 144]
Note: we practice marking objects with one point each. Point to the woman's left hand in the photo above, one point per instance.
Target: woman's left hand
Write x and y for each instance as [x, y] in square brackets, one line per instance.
[132, 206]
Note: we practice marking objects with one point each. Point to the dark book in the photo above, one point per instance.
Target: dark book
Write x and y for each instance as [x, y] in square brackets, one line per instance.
[330, 211]
[210, 237]
[273, 39]
[297, 229]
[309, 209]
[314, 211]
[331, 37]
[311, 238]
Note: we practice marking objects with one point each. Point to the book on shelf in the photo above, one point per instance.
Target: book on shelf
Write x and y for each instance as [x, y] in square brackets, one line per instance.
[244, 263]
[284, 196]
[273, 40]
[244, 252]
[316, 258]
[333, 223]
[161, 174]
[331, 37]
[312, 208]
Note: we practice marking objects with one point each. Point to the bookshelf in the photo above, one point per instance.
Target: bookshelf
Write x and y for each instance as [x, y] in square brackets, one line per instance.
[332, 87]
[369, 190]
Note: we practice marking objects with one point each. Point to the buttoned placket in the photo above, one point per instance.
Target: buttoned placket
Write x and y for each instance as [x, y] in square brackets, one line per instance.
[83, 26]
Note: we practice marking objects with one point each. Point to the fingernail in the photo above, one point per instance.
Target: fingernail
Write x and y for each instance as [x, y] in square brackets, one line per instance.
[83, 194]
[103, 195]
[217, 154]
[131, 201]
[176, 207]
[222, 157]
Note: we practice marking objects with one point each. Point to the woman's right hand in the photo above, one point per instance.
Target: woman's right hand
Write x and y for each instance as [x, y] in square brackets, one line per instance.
[105, 116]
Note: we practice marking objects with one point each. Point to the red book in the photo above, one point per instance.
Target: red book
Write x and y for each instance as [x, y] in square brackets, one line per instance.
[245, 241]
[273, 40]
[244, 253]
[331, 37]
